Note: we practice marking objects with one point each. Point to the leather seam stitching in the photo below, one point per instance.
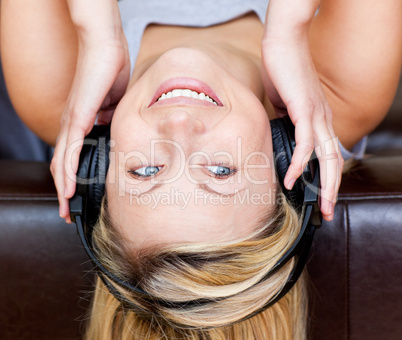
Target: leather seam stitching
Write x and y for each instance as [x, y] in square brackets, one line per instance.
[347, 271]
[27, 198]
[368, 197]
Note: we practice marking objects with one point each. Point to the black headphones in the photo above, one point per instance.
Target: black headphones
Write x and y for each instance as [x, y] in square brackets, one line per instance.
[91, 177]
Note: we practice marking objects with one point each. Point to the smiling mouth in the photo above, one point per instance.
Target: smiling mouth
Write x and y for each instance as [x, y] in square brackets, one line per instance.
[185, 91]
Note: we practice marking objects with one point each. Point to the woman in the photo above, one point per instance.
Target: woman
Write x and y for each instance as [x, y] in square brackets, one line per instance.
[231, 245]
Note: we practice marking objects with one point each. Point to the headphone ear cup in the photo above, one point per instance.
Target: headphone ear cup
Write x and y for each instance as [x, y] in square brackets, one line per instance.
[91, 173]
[100, 166]
[283, 142]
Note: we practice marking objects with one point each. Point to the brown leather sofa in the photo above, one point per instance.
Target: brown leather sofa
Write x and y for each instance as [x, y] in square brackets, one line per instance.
[355, 267]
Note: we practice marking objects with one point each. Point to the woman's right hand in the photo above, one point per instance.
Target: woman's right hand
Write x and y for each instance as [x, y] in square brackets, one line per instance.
[101, 78]
[294, 87]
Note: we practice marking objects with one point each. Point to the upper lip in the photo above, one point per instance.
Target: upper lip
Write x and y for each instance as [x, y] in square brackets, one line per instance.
[185, 83]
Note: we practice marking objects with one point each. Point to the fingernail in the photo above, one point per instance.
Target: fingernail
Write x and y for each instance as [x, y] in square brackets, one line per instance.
[290, 184]
[66, 193]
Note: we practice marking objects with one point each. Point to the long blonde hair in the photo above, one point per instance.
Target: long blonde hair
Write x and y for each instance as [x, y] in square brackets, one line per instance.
[227, 274]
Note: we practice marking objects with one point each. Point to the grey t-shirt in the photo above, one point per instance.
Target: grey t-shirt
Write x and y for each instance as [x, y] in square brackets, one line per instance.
[137, 15]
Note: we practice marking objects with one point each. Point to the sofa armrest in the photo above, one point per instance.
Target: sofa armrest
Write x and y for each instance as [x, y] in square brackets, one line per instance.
[45, 277]
[356, 265]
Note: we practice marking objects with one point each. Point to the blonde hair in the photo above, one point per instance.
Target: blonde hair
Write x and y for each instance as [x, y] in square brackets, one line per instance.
[228, 275]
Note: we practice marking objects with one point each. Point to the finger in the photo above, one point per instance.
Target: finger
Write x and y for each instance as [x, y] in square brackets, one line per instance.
[302, 153]
[75, 140]
[339, 179]
[331, 161]
[56, 169]
[63, 202]
[270, 90]
[340, 167]
[81, 109]
[330, 171]
[120, 84]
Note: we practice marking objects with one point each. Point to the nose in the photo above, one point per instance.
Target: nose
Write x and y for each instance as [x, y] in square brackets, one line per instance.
[181, 123]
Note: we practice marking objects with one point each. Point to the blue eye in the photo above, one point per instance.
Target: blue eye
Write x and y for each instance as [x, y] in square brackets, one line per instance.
[220, 171]
[146, 171]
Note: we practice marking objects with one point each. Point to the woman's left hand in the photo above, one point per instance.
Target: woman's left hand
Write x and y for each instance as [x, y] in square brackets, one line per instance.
[100, 80]
[294, 88]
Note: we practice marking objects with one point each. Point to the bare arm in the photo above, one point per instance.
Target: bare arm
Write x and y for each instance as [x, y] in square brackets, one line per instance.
[100, 81]
[292, 83]
[357, 50]
[39, 49]
[335, 73]
[41, 43]
[64, 61]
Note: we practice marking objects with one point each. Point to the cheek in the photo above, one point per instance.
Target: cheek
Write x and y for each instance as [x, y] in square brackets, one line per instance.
[130, 134]
[262, 184]
[257, 148]
[258, 160]
[255, 130]
[260, 175]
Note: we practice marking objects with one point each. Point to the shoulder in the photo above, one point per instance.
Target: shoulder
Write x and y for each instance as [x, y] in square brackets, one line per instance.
[357, 49]
[39, 53]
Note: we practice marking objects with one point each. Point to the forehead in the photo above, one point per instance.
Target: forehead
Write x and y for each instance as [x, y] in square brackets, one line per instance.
[171, 218]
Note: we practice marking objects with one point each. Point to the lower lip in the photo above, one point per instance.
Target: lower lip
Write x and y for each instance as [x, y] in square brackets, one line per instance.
[184, 83]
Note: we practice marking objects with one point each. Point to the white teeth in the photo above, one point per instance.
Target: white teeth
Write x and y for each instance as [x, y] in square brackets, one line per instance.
[186, 93]
[176, 93]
